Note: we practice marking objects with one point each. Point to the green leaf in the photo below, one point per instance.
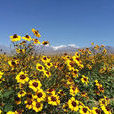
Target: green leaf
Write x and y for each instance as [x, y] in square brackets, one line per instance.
[8, 93]
[8, 107]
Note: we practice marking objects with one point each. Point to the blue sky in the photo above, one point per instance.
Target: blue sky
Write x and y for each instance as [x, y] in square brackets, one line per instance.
[61, 22]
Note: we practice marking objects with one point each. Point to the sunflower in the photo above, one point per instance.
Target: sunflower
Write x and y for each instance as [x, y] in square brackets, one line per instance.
[75, 72]
[53, 100]
[29, 96]
[106, 109]
[17, 100]
[40, 95]
[48, 65]
[51, 91]
[23, 43]
[96, 110]
[84, 79]
[27, 37]
[29, 103]
[21, 93]
[84, 94]
[13, 63]
[76, 59]
[47, 73]
[101, 89]
[73, 90]
[37, 106]
[39, 67]
[73, 104]
[45, 59]
[45, 42]
[20, 51]
[36, 41]
[65, 107]
[103, 102]
[22, 77]
[84, 110]
[61, 92]
[15, 38]
[19, 111]
[36, 33]
[1, 74]
[35, 85]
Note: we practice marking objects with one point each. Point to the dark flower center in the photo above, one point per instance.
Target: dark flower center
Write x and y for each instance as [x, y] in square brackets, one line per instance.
[22, 77]
[103, 102]
[61, 92]
[97, 111]
[29, 102]
[47, 73]
[27, 36]
[35, 84]
[21, 92]
[85, 110]
[77, 59]
[74, 104]
[85, 79]
[50, 90]
[36, 32]
[53, 98]
[108, 109]
[71, 64]
[13, 63]
[40, 67]
[38, 105]
[44, 58]
[29, 96]
[39, 95]
[15, 36]
[17, 98]
[75, 72]
[48, 64]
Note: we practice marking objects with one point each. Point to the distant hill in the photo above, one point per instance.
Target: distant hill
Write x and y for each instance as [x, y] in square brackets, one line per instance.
[52, 50]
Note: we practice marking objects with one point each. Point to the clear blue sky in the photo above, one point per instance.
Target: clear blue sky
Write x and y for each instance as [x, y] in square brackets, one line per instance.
[61, 22]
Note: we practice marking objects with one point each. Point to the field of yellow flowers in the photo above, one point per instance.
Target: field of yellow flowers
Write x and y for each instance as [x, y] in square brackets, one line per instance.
[82, 83]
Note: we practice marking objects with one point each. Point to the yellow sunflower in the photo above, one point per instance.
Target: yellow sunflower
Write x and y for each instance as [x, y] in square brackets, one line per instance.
[40, 95]
[21, 93]
[20, 50]
[84, 110]
[36, 33]
[96, 110]
[106, 109]
[53, 100]
[45, 59]
[74, 90]
[36, 41]
[84, 79]
[73, 104]
[47, 73]
[75, 72]
[17, 100]
[27, 37]
[22, 77]
[51, 91]
[39, 67]
[29, 103]
[15, 38]
[35, 85]
[45, 42]
[37, 106]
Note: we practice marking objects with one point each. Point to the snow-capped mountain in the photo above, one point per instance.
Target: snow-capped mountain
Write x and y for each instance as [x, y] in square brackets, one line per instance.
[40, 49]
